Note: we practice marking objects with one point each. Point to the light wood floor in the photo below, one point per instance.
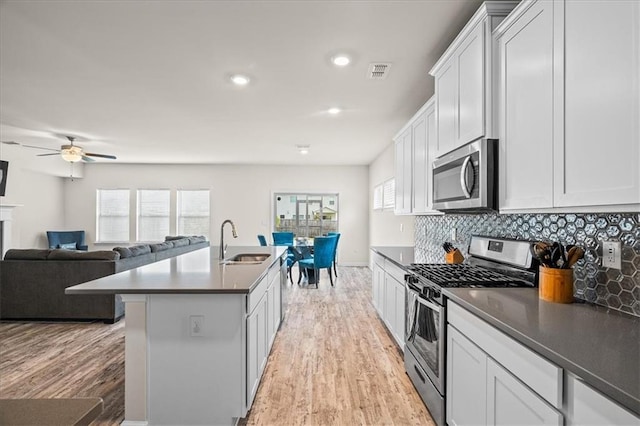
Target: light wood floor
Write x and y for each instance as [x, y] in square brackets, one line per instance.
[332, 363]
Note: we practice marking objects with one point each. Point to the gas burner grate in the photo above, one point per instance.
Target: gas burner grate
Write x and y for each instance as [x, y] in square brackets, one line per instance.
[460, 275]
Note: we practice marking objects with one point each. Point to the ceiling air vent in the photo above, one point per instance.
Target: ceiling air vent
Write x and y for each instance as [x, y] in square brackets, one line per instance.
[378, 70]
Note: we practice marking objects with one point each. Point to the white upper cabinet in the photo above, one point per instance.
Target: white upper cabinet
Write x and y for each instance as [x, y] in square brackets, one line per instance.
[414, 147]
[569, 116]
[463, 81]
[526, 110]
[424, 139]
[598, 159]
[403, 169]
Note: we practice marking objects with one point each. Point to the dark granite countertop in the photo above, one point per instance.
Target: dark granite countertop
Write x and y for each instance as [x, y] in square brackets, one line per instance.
[198, 271]
[599, 345]
[401, 256]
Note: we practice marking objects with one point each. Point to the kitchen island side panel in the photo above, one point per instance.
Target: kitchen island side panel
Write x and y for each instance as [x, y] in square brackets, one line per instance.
[196, 376]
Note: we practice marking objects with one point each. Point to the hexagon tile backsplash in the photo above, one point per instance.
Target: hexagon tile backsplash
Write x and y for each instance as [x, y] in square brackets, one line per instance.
[616, 289]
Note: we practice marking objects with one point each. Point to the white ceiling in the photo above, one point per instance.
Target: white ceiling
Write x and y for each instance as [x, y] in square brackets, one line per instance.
[148, 80]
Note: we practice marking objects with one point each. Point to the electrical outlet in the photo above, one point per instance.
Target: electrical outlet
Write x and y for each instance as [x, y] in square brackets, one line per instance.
[612, 254]
[196, 325]
[454, 234]
[402, 227]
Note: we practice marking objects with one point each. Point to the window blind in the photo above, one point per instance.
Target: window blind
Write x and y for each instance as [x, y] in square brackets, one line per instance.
[389, 194]
[113, 215]
[377, 197]
[193, 212]
[153, 214]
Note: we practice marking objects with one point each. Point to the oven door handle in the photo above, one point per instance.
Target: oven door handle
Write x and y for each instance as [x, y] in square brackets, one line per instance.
[426, 303]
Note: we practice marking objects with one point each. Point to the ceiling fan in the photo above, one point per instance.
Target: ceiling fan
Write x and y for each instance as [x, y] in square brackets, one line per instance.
[72, 153]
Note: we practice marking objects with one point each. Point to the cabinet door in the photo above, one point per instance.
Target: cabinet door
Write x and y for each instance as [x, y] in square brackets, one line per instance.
[446, 83]
[432, 146]
[526, 110]
[471, 77]
[509, 402]
[466, 381]
[256, 347]
[378, 278]
[400, 315]
[271, 300]
[403, 172]
[390, 302]
[597, 160]
[420, 165]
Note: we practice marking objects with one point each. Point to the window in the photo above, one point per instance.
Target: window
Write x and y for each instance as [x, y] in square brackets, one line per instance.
[153, 214]
[389, 194]
[306, 215]
[377, 197]
[193, 212]
[113, 215]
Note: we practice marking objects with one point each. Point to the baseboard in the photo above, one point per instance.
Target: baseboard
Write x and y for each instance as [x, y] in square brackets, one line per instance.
[134, 423]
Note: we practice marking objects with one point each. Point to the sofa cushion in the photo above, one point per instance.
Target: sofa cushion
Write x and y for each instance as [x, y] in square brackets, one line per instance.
[139, 250]
[161, 246]
[197, 239]
[67, 246]
[61, 254]
[175, 237]
[124, 252]
[181, 242]
[27, 254]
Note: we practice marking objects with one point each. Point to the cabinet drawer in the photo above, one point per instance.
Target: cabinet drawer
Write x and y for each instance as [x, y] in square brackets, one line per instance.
[396, 272]
[254, 297]
[542, 376]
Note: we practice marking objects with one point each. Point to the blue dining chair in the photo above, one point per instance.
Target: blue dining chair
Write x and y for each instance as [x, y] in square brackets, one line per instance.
[323, 253]
[337, 234]
[282, 238]
[262, 240]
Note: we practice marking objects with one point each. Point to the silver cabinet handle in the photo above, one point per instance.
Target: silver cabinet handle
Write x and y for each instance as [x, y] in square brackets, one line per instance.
[463, 177]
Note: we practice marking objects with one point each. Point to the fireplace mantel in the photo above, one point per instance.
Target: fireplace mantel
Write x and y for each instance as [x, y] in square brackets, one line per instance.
[6, 220]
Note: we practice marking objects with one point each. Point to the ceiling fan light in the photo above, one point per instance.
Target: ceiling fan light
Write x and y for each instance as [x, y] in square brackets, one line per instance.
[71, 154]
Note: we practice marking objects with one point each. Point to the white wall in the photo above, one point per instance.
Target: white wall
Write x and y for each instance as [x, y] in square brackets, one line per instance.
[242, 193]
[387, 229]
[31, 183]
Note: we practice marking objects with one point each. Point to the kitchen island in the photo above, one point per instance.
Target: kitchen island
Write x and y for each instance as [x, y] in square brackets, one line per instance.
[198, 333]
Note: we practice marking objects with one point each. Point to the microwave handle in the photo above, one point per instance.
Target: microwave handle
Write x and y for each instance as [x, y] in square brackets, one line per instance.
[463, 177]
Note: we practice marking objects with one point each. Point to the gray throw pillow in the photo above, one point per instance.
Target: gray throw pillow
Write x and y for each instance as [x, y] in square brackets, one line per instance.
[124, 252]
[180, 243]
[174, 237]
[197, 239]
[140, 250]
[160, 246]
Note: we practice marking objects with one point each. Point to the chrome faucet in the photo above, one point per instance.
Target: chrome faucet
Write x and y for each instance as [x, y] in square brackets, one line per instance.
[223, 248]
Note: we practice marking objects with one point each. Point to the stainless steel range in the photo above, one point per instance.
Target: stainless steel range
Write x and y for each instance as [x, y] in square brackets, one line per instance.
[493, 262]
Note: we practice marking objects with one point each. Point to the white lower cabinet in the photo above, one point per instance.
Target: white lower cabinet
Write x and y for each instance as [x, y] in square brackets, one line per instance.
[494, 380]
[388, 296]
[587, 407]
[466, 381]
[256, 347]
[510, 402]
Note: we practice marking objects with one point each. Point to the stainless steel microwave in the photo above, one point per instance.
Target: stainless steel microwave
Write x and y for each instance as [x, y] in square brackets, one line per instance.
[465, 179]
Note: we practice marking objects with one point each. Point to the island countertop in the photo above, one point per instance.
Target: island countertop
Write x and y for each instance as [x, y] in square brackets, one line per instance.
[198, 271]
[600, 345]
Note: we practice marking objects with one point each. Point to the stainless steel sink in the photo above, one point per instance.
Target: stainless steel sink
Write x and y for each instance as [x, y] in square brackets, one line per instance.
[247, 259]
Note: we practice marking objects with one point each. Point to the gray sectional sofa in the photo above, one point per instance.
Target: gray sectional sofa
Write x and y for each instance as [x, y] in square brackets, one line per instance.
[32, 281]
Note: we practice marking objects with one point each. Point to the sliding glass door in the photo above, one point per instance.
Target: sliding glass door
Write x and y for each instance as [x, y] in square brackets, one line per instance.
[306, 215]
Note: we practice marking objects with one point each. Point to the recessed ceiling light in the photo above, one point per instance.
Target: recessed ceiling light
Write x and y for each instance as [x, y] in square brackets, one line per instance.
[303, 149]
[240, 80]
[334, 111]
[341, 60]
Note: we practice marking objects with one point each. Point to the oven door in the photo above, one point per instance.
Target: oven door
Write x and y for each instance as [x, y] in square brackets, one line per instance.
[425, 334]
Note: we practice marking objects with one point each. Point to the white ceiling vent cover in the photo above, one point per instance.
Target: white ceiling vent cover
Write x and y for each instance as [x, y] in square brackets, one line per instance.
[378, 70]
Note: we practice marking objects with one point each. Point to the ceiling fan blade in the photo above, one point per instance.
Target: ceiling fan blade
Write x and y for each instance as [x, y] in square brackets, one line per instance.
[41, 147]
[112, 157]
[45, 155]
[87, 159]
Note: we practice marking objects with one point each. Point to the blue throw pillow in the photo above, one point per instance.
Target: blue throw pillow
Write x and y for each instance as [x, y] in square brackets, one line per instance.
[67, 246]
